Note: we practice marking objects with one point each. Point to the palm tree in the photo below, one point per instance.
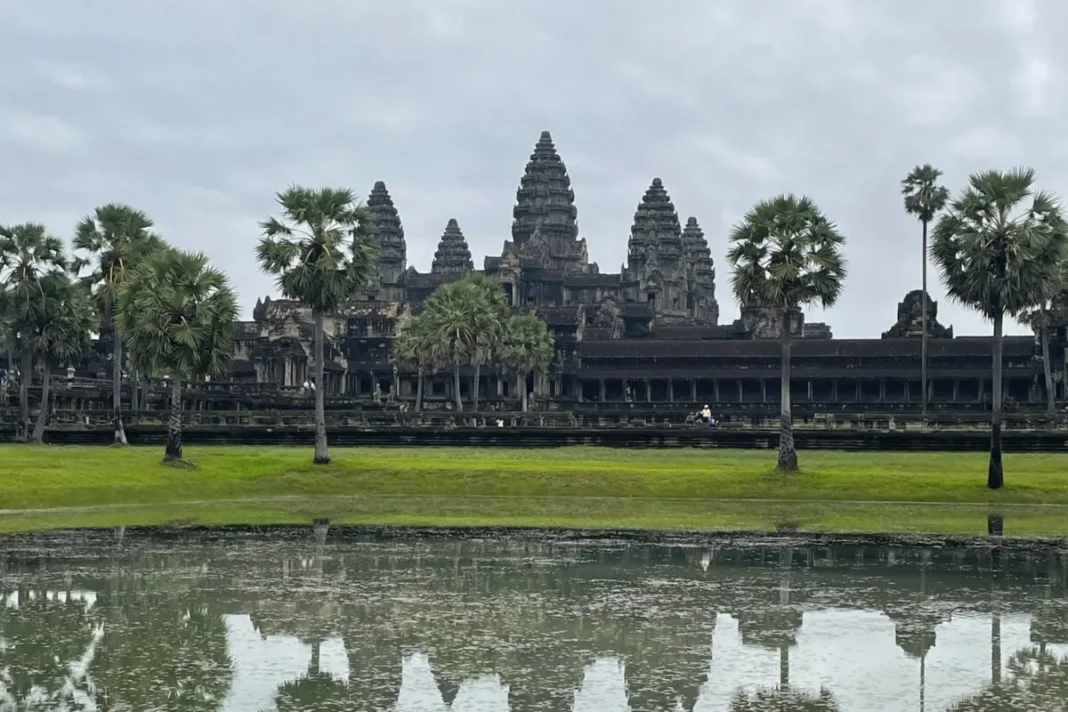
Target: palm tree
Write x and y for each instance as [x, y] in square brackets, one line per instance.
[452, 314]
[61, 333]
[415, 347]
[178, 312]
[28, 253]
[322, 252]
[781, 699]
[999, 247]
[490, 319]
[1037, 680]
[924, 198]
[1040, 318]
[110, 243]
[527, 348]
[785, 253]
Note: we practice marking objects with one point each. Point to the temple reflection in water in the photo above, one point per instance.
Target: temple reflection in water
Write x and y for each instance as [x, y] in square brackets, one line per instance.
[224, 622]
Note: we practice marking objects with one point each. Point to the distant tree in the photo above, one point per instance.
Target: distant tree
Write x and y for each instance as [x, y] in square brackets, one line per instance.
[1000, 247]
[781, 699]
[178, 312]
[452, 318]
[1040, 319]
[28, 254]
[527, 348]
[415, 347]
[108, 244]
[491, 316]
[1037, 680]
[924, 198]
[785, 253]
[322, 252]
[61, 333]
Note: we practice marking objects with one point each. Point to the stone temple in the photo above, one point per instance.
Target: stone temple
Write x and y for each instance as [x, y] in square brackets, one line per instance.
[647, 338]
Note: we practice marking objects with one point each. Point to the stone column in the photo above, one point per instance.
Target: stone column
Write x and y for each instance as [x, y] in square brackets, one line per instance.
[715, 390]
[648, 390]
[740, 392]
[882, 390]
[671, 390]
[600, 382]
[763, 391]
[956, 390]
[808, 386]
[834, 390]
[693, 390]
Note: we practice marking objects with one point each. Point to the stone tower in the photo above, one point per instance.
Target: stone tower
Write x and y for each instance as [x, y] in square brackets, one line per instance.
[393, 251]
[700, 275]
[545, 225]
[656, 268]
[452, 255]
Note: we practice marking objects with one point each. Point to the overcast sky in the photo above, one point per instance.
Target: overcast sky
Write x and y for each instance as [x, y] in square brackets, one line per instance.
[199, 111]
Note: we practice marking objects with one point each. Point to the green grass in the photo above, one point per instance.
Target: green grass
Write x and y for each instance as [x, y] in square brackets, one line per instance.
[573, 487]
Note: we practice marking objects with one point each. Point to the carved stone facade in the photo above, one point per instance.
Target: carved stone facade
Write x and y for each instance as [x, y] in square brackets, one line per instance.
[452, 255]
[909, 322]
[649, 333]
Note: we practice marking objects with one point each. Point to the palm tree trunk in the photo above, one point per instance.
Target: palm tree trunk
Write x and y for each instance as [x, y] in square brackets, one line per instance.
[42, 413]
[787, 453]
[456, 385]
[995, 648]
[419, 390]
[923, 338]
[135, 395]
[1047, 371]
[322, 452]
[521, 384]
[995, 477]
[474, 387]
[174, 422]
[923, 344]
[116, 382]
[784, 667]
[25, 377]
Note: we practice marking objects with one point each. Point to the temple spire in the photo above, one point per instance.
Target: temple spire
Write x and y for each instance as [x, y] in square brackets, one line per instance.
[545, 202]
[393, 250]
[700, 274]
[452, 256]
[656, 228]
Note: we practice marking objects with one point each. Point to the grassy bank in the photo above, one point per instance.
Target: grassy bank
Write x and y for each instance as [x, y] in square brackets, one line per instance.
[592, 487]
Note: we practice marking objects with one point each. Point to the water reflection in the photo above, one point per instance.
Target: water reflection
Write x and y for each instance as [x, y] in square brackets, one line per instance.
[251, 623]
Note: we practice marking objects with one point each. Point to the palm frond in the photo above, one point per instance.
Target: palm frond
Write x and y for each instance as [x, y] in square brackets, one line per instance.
[785, 253]
[321, 250]
[1000, 247]
[177, 313]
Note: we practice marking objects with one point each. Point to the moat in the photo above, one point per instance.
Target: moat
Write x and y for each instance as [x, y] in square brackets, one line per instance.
[221, 621]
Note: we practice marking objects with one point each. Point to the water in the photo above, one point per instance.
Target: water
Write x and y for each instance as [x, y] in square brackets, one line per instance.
[298, 622]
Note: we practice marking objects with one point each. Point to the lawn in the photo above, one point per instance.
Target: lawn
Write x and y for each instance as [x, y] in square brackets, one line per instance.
[578, 487]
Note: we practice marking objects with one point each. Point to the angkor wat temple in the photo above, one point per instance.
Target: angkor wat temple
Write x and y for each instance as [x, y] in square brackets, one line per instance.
[644, 343]
[648, 336]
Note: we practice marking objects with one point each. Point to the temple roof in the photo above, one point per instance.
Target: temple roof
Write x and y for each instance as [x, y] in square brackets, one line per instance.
[1015, 346]
[656, 227]
[695, 249]
[388, 228]
[452, 256]
[545, 196]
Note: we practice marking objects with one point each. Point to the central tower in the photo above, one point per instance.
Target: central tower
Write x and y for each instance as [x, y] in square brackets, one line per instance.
[545, 219]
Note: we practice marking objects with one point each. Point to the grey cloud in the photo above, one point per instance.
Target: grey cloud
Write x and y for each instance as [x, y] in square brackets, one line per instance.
[199, 111]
